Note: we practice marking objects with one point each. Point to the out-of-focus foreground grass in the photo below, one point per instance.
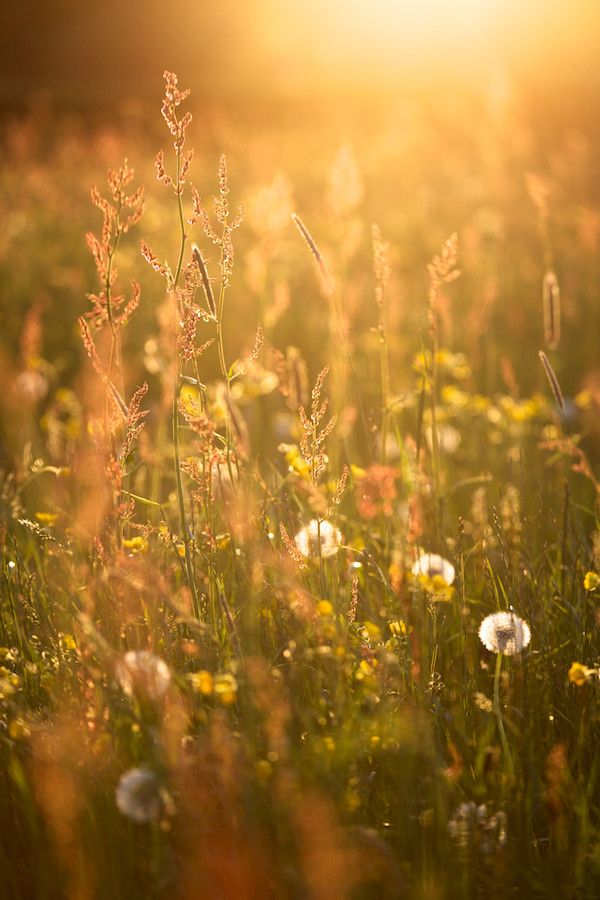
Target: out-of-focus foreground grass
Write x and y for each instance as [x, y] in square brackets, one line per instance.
[315, 715]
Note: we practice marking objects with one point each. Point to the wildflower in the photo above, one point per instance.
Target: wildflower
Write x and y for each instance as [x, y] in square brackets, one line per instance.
[324, 533]
[31, 386]
[482, 702]
[448, 437]
[453, 396]
[471, 825]
[141, 672]
[255, 381]
[365, 674]
[46, 518]
[67, 641]
[591, 581]
[136, 544]
[369, 631]
[376, 491]
[225, 688]
[202, 682]
[580, 674]
[325, 608]
[294, 459]
[140, 797]
[432, 565]
[9, 683]
[504, 632]
[18, 730]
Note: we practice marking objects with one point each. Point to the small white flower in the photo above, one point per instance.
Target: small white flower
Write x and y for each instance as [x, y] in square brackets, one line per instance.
[504, 632]
[141, 672]
[432, 564]
[307, 539]
[471, 825]
[449, 438]
[140, 797]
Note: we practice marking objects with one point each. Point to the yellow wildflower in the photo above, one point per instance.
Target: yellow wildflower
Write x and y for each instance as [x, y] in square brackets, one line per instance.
[591, 581]
[135, 545]
[579, 674]
[370, 631]
[225, 688]
[46, 518]
[325, 608]
[202, 682]
[18, 730]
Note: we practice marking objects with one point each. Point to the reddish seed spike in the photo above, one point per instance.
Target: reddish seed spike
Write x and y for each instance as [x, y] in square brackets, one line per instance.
[551, 310]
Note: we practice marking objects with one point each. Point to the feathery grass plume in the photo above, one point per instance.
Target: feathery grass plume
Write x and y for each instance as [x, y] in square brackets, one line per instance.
[293, 376]
[443, 270]
[314, 433]
[552, 380]
[551, 308]
[308, 238]
[353, 599]
[580, 464]
[291, 547]
[108, 308]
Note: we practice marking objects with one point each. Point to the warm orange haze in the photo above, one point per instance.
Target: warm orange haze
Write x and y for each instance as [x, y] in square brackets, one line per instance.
[299, 450]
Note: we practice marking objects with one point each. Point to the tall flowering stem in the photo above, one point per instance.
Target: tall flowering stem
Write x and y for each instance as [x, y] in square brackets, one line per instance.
[178, 126]
[120, 212]
[224, 241]
[441, 270]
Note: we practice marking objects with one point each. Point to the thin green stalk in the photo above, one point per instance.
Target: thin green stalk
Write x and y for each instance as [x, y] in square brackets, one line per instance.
[498, 712]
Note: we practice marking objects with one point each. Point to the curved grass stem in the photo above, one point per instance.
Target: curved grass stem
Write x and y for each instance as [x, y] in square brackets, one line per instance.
[498, 712]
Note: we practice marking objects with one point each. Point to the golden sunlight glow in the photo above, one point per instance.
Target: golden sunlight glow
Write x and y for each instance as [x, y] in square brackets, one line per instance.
[362, 41]
[421, 20]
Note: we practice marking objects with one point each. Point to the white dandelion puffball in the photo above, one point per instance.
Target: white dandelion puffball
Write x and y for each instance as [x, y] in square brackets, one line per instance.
[138, 795]
[307, 539]
[432, 564]
[448, 436]
[504, 632]
[141, 672]
[221, 476]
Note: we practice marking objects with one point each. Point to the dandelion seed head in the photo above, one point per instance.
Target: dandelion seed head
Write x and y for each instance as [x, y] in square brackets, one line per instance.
[504, 632]
[307, 539]
[141, 672]
[140, 797]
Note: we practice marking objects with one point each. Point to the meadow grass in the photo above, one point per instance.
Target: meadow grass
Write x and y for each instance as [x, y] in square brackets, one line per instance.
[255, 509]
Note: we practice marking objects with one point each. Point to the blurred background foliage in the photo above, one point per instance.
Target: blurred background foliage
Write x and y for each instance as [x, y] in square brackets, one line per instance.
[437, 118]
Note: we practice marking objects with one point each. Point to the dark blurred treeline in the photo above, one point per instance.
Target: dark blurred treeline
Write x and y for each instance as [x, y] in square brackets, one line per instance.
[96, 52]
